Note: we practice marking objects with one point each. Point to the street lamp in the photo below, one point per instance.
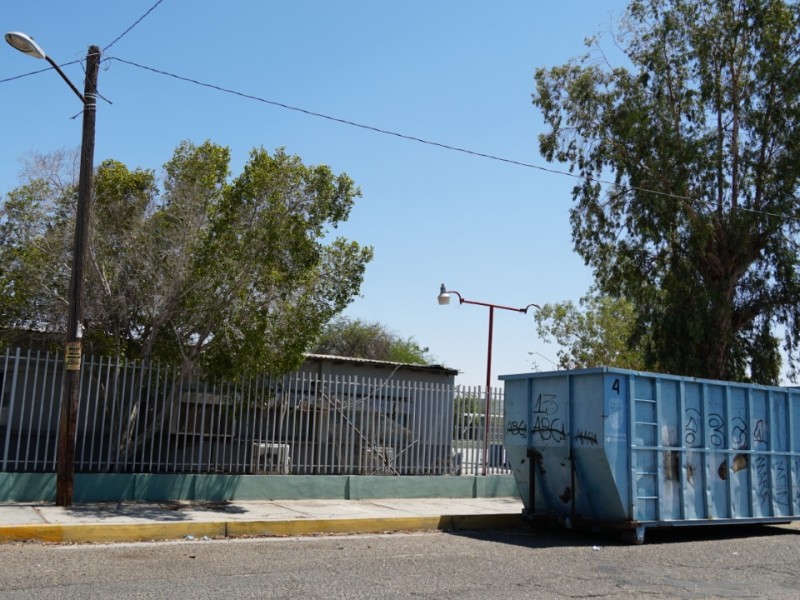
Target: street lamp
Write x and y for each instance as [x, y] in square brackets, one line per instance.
[444, 299]
[65, 458]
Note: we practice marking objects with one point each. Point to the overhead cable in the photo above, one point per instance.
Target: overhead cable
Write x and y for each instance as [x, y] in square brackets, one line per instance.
[139, 20]
[424, 141]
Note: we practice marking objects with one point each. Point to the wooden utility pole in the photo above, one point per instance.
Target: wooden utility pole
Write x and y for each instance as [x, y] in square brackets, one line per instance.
[70, 397]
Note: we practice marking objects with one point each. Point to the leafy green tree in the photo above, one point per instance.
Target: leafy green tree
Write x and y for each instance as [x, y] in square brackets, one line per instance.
[225, 275]
[701, 134]
[34, 247]
[595, 333]
[371, 340]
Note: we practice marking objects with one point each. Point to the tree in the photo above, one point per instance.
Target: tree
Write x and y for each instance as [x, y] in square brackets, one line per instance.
[34, 245]
[596, 333]
[371, 340]
[699, 227]
[208, 272]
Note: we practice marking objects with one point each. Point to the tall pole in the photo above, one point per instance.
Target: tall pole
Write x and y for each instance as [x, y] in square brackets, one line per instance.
[65, 459]
[444, 298]
[487, 413]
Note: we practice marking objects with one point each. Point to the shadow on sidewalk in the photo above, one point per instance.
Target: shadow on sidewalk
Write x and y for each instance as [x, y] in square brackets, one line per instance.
[162, 511]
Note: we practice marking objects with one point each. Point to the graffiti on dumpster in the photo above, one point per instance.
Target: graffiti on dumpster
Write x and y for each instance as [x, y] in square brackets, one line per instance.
[519, 428]
[545, 405]
[547, 427]
[692, 428]
[693, 435]
[739, 434]
[781, 483]
[762, 476]
[549, 430]
[716, 424]
[586, 437]
[760, 433]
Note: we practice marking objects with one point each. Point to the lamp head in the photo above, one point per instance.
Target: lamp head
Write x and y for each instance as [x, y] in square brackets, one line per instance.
[444, 297]
[25, 44]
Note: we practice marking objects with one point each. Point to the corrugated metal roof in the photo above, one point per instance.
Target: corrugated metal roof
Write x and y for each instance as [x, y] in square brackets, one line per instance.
[383, 363]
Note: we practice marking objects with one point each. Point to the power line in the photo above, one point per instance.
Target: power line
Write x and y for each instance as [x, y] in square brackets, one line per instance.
[74, 62]
[139, 20]
[118, 38]
[379, 129]
[422, 140]
[386, 131]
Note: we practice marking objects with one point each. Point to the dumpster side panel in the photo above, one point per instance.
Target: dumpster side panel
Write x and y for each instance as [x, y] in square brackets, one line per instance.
[617, 446]
[516, 434]
[549, 402]
[599, 441]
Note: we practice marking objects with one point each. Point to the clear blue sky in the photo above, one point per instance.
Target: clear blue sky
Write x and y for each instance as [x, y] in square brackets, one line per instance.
[455, 72]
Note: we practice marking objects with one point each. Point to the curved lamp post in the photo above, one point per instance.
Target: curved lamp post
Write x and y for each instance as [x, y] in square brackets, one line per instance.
[65, 459]
[444, 298]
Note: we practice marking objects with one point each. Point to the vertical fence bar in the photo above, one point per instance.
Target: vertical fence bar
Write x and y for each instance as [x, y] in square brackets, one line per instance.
[215, 433]
[40, 432]
[182, 417]
[22, 407]
[293, 436]
[316, 439]
[328, 391]
[400, 411]
[427, 461]
[306, 435]
[271, 411]
[352, 421]
[227, 411]
[4, 408]
[323, 392]
[160, 413]
[438, 438]
[422, 409]
[413, 457]
[235, 447]
[10, 413]
[81, 427]
[406, 433]
[360, 416]
[190, 441]
[339, 382]
[132, 417]
[95, 412]
[148, 430]
[31, 407]
[228, 451]
[433, 428]
[111, 399]
[52, 409]
[387, 452]
[248, 444]
[357, 392]
[126, 405]
[263, 400]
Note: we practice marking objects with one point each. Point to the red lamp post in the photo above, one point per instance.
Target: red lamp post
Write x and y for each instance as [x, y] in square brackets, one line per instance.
[444, 298]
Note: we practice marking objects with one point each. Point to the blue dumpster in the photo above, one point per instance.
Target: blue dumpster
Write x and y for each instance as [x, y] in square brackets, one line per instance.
[612, 448]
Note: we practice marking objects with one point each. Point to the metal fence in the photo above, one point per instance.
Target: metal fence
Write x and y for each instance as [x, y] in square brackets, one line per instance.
[140, 418]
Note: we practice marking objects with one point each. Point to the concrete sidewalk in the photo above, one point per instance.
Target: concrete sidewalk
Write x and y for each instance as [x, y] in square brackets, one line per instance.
[111, 522]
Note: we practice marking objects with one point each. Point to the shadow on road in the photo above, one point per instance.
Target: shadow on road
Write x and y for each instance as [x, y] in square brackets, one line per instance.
[557, 537]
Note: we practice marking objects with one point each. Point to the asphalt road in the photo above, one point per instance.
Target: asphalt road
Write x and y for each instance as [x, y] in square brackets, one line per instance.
[698, 562]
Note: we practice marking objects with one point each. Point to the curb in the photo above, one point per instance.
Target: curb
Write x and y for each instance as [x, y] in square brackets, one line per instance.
[109, 533]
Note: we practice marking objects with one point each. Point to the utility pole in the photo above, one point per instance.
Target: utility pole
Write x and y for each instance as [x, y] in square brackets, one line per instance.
[70, 397]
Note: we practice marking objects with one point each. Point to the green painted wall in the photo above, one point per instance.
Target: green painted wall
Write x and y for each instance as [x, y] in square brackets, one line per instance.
[141, 487]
